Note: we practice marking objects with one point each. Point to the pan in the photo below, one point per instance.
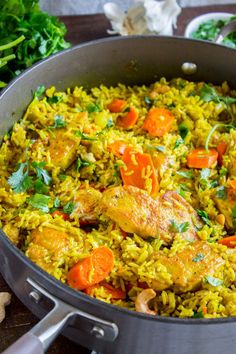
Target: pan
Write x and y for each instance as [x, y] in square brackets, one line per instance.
[87, 321]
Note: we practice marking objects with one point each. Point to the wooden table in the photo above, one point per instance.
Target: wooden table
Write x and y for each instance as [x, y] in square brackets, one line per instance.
[80, 29]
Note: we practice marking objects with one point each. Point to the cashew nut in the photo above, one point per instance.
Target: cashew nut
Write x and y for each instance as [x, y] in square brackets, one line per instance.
[5, 299]
[142, 300]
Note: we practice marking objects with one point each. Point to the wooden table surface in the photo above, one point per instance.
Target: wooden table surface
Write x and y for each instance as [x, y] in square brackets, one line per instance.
[80, 29]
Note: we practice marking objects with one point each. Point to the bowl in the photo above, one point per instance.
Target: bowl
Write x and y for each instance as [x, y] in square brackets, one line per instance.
[197, 21]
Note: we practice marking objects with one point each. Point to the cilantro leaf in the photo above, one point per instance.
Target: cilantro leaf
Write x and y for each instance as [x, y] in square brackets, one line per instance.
[56, 202]
[69, 207]
[40, 187]
[110, 123]
[198, 314]
[20, 181]
[185, 174]
[41, 172]
[180, 228]
[178, 142]
[54, 99]
[183, 131]
[39, 91]
[40, 201]
[204, 216]
[83, 136]
[199, 257]
[221, 192]
[80, 164]
[149, 101]
[213, 281]
[208, 93]
[92, 107]
[59, 122]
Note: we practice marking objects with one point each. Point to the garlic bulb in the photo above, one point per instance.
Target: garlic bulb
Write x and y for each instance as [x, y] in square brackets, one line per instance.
[145, 17]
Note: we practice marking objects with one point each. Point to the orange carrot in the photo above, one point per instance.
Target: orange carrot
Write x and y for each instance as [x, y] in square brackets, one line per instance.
[201, 158]
[91, 270]
[116, 293]
[117, 148]
[221, 148]
[128, 120]
[229, 241]
[60, 213]
[137, 167]
[159, 121]
[117, 105]
[232, 184]
[204, 310]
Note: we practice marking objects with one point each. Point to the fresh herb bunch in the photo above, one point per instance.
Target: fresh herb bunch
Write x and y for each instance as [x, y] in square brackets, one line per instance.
[210, 29]
[44, 35]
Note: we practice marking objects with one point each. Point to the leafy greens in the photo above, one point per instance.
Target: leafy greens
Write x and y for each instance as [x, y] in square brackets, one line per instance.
[43, 35]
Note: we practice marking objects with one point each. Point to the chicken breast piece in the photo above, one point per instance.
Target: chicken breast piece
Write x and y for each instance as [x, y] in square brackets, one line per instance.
[136, 212]
[186, 270]
[47, 246]
[62, 149]
[87, 201]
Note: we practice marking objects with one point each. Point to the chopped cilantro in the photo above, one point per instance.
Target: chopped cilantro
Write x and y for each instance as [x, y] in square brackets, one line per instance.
[80, 164]
[56, 202]
[148, 101]
[83, 136]
[39, 91]
[59, 122]
[41, 172]
[110, 123]
[178, 142]
[221, 192]
[40, 187]
[55, 99]
[183, 131]
[223, 171]
[198, 314]
[20, 181]
[92, 107]
[69, 207]
[184, 187]
[185, 174]
[213, 281]
[204, 216]
[62, 177]
[199, 257]
[40, 201]
[179, 227]
[207, 94]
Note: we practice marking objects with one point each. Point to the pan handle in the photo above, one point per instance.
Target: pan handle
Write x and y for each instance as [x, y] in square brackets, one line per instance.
[38, 339]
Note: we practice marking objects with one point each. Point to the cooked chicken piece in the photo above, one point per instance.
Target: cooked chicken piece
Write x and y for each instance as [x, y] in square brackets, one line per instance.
[86, 202]
[47, 246]
[62, 149]
[225, 206]
[186, 270]
[12, 232]
[136, 212]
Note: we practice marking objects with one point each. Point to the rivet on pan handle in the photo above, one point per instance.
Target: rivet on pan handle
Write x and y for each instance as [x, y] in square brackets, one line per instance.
[38, 339]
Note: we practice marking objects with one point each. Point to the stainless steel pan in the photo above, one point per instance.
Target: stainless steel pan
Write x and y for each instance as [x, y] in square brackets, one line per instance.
[92, 323]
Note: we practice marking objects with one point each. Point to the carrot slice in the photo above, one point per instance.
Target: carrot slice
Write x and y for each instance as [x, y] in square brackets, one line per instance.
[116, 293]
[201, 158]
[117, 105]
[128, 120]
[229, 241]
[117, 148]
[232, 184]
[91, 270]
[221, 148]
[159, 121]
[139, 168]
